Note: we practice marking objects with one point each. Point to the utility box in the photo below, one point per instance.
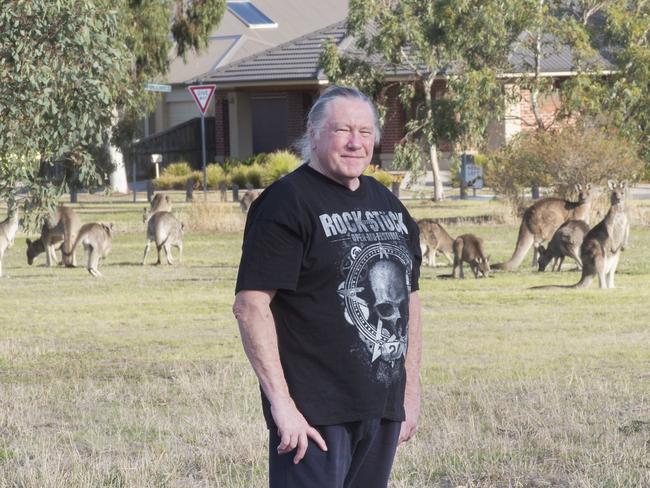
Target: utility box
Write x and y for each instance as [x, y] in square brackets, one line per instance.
[471, 175]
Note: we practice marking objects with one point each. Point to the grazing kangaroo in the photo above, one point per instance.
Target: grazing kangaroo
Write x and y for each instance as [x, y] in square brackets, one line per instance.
[602, 246]
[167, 231]
[97, 240]
[433, 239]
[61, 229]
[247, 200]
[8, 229]
[565, 242]
[159, 203]
[542, 219]
[469, 248]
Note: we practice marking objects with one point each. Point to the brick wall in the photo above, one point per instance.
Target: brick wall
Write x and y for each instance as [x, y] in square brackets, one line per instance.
[222, 128]
[548, 106]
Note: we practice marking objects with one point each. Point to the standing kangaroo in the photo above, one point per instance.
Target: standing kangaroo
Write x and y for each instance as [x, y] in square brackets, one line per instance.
[62, 226]
[602, 246]
[97, 240]
[247, 200]
[542, 219]
[159, 203]
[469, 248]
[167, 231]
[433, 239]
[565, 242]
[8, 229]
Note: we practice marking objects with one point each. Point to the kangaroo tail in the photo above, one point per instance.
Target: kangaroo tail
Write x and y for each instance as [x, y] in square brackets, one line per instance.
[525, 239]
[74, 246]
[68, 247]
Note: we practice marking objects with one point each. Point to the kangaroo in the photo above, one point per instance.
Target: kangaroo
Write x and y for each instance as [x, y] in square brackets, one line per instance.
[602, 246]
[97, 240]
[167, 231]
[542, 219]
[469, 248]
[565, 242]
[159, 203]
[61, 229]
[433, 239]
[247, 200]
[8, 229]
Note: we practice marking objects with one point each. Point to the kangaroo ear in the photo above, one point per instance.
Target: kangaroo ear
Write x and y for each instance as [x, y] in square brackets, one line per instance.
[611, 184]
[28, 241]
[578, 187]
[487, 259]
[541, 249]
[623, 184]
[588, 186]
[182, 226]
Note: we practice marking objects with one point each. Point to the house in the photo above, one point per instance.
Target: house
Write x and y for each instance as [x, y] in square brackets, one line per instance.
[263, 98]
[247, 28]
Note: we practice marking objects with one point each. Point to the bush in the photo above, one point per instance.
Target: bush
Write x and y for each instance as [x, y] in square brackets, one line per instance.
[279, 164]
[238, 176]
[254, 174]
[216, 176]
[559, 159]
[177, 169]
[379, 174]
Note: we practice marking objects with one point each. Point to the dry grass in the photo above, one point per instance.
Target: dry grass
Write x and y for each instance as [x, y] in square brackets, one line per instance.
[139, 379]
[211, 217]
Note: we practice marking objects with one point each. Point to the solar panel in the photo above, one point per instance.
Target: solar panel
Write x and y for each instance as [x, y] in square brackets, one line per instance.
[250, 15]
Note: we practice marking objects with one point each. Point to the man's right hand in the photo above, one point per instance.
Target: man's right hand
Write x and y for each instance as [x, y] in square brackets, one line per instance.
[293, 430]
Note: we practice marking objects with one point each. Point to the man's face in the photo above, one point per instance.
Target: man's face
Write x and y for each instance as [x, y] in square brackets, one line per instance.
[343, 147]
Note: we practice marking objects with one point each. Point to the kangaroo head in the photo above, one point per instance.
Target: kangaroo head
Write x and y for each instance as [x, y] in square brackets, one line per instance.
[544, 258]
[584, 192]
[34, 248]
[484, 266]
[618, 191]
[109, 229]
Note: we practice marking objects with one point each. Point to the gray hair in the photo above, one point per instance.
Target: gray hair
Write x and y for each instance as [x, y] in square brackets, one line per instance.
[316, 117]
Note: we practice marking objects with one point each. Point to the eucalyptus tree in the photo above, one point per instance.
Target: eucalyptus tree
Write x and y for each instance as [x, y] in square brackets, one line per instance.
[69, 70]
[459, 46]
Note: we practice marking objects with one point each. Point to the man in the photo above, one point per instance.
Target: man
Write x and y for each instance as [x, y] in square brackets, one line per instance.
[327, 306]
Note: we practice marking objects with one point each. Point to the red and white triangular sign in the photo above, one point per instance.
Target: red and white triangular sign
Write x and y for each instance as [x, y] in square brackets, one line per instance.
[202, 95]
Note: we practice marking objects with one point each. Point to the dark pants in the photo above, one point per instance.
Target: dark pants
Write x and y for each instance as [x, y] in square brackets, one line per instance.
[359, 455]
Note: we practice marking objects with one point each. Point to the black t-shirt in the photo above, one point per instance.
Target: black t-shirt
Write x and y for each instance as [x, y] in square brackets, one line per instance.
[343, 263]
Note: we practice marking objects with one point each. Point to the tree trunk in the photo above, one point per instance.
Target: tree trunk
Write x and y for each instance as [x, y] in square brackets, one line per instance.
[433, 152]
[117, 179]
[118, 176]
[438, 194]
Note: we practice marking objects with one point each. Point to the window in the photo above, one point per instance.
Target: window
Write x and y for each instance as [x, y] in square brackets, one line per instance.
[250, 15]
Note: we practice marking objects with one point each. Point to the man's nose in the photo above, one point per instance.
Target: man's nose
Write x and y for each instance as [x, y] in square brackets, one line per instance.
[354, 140]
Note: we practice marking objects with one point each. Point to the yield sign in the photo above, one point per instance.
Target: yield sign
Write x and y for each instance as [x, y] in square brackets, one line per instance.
[202, 95]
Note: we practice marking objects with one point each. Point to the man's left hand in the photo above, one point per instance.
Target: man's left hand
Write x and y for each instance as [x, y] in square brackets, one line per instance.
[412, 409]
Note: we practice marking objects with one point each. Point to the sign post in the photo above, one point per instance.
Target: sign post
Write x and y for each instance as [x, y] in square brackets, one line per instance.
[202, 95]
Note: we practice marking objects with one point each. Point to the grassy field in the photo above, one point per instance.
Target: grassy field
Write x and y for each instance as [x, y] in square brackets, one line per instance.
[139, 379]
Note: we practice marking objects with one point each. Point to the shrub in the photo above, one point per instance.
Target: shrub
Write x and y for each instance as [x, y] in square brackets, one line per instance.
[279, 164]
[238, 176]
[379, 174]
[560, 159]
[216, 176]
[254, 174]
[177, 169]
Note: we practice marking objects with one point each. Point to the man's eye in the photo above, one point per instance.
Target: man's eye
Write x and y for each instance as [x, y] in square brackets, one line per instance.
[366, 133]
[342, 129]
